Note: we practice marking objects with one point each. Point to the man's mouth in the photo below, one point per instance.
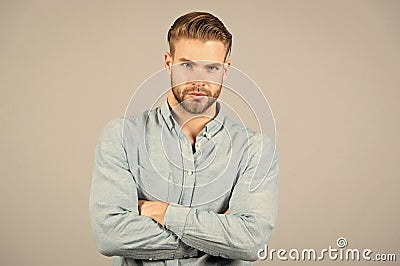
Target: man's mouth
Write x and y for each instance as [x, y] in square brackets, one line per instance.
[197, 95]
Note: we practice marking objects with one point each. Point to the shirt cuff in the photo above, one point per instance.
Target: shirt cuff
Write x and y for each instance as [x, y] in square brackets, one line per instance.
[175, 218]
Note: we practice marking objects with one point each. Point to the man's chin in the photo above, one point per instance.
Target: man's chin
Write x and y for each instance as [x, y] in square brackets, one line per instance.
[195, 104]
[194, 108]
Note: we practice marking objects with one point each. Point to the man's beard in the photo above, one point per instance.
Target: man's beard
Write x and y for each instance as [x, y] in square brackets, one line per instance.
[195, 105]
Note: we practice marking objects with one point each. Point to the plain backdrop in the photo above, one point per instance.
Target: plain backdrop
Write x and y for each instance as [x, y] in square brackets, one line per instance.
[330, 70]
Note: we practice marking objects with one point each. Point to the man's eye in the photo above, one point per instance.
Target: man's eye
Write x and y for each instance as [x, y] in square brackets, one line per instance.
[187, 65]
[213, 68]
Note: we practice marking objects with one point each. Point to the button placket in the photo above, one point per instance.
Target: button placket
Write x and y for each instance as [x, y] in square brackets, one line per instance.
[188, 170]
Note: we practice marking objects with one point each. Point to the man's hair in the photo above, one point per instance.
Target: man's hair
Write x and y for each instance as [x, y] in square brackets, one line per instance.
[199, 25]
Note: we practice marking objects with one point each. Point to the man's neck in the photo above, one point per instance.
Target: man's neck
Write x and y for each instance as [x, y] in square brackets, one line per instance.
[191, 124]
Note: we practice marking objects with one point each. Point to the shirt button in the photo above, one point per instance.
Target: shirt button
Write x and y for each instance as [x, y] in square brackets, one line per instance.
[198, 145]
[208, 136]
[189, 172]
[186, 256]
[150, 258]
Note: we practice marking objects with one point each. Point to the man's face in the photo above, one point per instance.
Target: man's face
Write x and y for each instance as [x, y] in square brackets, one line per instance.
[197, 72]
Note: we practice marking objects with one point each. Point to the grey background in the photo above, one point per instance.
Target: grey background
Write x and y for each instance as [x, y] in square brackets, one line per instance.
[328, 68]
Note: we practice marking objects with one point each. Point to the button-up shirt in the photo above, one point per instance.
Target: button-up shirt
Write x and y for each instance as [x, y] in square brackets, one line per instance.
[147, 156]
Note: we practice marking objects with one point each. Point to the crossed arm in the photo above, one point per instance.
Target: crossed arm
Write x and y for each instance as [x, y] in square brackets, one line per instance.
[153, 209]
[122, 226]
[156, 210]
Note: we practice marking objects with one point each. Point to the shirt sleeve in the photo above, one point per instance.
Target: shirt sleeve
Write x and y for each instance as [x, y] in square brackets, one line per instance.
[118, 228]
[248, 227]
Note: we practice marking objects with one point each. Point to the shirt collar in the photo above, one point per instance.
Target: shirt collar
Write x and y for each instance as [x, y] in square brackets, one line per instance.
[210, 128]
[166, 113]
[215, 124]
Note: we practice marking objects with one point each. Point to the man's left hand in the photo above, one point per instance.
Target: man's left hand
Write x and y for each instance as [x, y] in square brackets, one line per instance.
[153, 209]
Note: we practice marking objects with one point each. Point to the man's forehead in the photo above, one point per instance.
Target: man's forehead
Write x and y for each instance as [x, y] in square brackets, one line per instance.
[196, 50]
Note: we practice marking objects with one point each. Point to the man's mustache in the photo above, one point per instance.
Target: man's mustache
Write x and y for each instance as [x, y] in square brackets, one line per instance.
[197, 89]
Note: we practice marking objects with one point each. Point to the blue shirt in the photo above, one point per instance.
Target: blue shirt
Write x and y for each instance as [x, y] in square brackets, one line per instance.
[147, 156]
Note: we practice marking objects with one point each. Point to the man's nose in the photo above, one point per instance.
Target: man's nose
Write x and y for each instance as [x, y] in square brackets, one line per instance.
[198, 83]
[199, 76]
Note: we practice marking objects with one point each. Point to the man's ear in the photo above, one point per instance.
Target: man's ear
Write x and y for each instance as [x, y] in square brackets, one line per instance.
[227, 64]
[168, 62]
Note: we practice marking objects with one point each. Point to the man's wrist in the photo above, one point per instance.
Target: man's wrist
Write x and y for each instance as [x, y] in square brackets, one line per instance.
[153, 209]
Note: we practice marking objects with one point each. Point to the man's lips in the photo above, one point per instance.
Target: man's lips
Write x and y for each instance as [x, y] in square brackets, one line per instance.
[197, 95]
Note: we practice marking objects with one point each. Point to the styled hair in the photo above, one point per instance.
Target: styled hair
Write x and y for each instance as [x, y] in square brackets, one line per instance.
[199, 25]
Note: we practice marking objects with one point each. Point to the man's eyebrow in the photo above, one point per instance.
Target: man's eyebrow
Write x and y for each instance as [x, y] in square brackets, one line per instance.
[184, 59]
[210, 63]
[214, 64]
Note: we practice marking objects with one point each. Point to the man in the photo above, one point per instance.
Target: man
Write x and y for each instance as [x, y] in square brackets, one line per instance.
[171, 185]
